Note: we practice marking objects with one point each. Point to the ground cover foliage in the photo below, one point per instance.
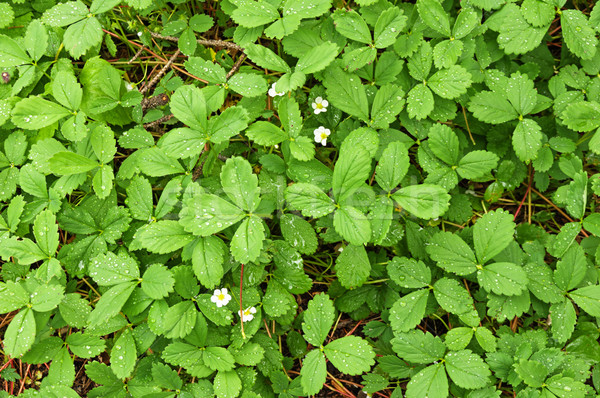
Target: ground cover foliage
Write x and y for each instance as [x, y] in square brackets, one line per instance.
[285, 198]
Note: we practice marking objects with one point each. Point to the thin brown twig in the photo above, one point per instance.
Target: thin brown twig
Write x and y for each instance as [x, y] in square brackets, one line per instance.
[160, 74]
[236, 66]
[159, 121]
[210, 43]
[467, 123]
[136, 56]
[558, 209]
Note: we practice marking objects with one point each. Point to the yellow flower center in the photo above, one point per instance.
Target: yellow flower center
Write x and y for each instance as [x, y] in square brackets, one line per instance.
[221, 297]
[247, 312]
[323, 136]
[319, 106]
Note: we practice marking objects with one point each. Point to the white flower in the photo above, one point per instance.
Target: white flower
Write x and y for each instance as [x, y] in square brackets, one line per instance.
[320, 105]
[247, 314]
[139, 34]
[220, 297]
[129, 86]
[273, 92]
[321, 135]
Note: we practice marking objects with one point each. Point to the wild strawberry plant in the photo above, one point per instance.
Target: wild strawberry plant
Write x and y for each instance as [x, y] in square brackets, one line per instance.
[261, 198]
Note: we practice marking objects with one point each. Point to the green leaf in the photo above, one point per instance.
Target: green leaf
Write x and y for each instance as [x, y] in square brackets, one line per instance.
[492, 233]
[154, 162]
[277, 301]
[434, 16]
[62, 370]
[239, 184]
[563, 320]
[490, 107]
[477, 164]
[318, 319]
[408, 311]
[85, 345]
[346, 92]
[11, 53]
[12, 296]
[7, 15]
[82, 35]
[588, 299]
[45, 230]
[74, 310]
[503, 278]
[516, 35]
[538, 13]
[388, 103]
[248, 85]
[486, 339]
[309, 199]
[409, 273]
[157, 281]
[64, 14]
[531, 372]
[247, 242]
[205, 214]
[218, 358]
[571, 269]
[392, 166]
[419, 102]
[250, 13]
[389, 24]
[450, 83]
[165, 377]
[452, 297]
[313, 372]
[290, 81]
[443, 142]
[206, 69]
[582, 116]
[139, 198]
[250, 354]
[306, 8]
[20, 333]
[207, 261]
[350, 355]
[34, 113]
[317, 58]
[451, 253]
[110, 269]
[541, 283]
[352, 225]
[351, 170]
[180, 319]
[227, 384]
[68, 163]
[424, 200]
[430, 382]
[467, 369]
[123, 355]
[419, 64]
[521, 93]
[265, 58]
[47, 297]
[283, 27]
[447, 52]
[265, 133]
[590, 223]
[578, 35]
[418, 347]
[466, 21]
[298, 233]
[188, 104]
[66, 90]
[164, 236]
[102, 181]
[103, 143]
[577, 195]
[458, 338]
[111, 302]
[558, 245]
[352, 266]
[182, 142]
[351, 25]
[527, 139]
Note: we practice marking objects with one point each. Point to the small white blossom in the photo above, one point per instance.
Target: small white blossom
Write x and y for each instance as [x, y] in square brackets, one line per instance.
[321, 135]
[273, 92]
[320, 105]
[276, 146]
[220, 297]
[248, 314]
[139, 34]
[129, 86]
